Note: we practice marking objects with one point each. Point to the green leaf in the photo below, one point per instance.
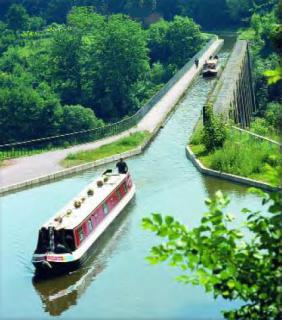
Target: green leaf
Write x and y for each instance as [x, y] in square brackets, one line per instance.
[231, 284]
[157, 218]
[153, 260]
[169, 220]
[273, 76]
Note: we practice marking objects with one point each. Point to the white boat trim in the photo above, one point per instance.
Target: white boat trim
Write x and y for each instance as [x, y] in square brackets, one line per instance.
[93, 236]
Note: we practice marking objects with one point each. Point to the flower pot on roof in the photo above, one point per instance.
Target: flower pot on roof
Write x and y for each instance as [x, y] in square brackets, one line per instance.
[77, 204]
[90, 192]
[100, 183]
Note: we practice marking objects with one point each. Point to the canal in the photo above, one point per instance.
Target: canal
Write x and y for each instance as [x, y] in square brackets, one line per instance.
[117, 282]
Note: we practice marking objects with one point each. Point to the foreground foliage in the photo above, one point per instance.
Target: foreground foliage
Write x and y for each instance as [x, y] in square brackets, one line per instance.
[235, 262]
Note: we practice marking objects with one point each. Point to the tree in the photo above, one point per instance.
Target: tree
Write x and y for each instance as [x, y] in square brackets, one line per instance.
[157, 41]
[65, 69]
[174, 42]
[239, 9]
[7, 37]
[27, 112]
[225, 261]
[183, 39]
[113, 59]
[17, 17]
[85, 20]
[57, 10]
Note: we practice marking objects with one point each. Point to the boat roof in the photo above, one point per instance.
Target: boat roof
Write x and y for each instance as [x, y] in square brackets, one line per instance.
[77, 215]
[212, 61]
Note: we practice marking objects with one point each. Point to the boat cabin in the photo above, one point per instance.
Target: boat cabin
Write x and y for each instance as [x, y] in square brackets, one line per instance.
[71, 226]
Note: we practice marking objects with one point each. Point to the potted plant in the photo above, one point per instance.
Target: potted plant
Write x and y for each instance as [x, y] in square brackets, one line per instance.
[90, 192]
[99, 183]
[77, 204]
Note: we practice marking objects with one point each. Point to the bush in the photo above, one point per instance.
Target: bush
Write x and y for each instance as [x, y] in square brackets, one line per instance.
[76, 118]
[260, 126]
[273, 115]
[214, 130]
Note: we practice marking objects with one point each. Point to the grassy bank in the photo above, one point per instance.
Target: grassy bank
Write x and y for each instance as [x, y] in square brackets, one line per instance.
[240, 155]
[119, 146]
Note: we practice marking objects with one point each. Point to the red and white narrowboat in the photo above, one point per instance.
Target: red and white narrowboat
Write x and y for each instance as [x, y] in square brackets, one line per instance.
[65, 240]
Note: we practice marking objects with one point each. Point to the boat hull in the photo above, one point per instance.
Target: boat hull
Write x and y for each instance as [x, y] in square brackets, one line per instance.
[210, 73]
[50, 264]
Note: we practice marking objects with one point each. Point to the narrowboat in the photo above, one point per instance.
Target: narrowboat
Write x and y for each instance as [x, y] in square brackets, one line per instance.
[65, 241]
[211, 68]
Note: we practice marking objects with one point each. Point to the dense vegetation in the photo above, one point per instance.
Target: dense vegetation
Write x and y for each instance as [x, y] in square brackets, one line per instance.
[264, 35]
[225, 13]
[75, 61]
[231, 260]
[90, 70]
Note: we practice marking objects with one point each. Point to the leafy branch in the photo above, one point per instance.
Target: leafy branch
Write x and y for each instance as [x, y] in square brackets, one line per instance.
[219, 256]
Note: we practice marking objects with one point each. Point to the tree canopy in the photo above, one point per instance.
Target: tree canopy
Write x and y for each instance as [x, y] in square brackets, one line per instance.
[100, 63]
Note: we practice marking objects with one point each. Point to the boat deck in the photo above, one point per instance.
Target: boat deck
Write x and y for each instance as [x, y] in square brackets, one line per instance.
[69, 216]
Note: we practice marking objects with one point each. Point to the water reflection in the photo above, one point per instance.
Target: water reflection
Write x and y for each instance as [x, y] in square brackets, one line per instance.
[213, 184]
[58, 294]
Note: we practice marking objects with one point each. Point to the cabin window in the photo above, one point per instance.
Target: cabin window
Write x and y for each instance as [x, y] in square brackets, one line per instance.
[80, 234]
[105, 208]
[90, 225]
[119, 194]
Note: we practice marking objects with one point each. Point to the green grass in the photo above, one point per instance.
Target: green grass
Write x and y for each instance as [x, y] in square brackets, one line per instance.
[241, 155]
[117, 147]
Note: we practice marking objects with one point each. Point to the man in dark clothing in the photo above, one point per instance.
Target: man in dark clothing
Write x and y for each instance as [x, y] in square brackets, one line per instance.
[196, 62]
[122, 166]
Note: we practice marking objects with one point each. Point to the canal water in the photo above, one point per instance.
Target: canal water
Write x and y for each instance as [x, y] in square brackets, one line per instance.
[117, 282]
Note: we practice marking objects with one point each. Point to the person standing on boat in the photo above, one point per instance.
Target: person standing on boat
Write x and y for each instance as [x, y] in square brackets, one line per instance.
[197, 62]
[122, 166]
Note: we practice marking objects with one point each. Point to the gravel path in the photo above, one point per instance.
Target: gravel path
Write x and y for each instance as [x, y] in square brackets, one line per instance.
[27, 168]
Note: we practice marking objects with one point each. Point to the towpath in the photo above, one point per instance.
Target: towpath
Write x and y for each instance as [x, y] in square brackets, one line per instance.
[27, 168]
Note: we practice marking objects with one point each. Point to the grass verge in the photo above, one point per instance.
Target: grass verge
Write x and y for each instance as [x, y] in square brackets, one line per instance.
[241, 155]
[122, 145]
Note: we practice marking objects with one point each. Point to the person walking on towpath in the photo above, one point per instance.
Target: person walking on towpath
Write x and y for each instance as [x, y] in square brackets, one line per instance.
[122, 166]
[197, 62]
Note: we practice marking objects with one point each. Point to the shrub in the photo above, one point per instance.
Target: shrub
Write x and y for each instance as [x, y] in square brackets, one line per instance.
[198, 135]
[273, 115]
[260, 126]
[214, 130]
